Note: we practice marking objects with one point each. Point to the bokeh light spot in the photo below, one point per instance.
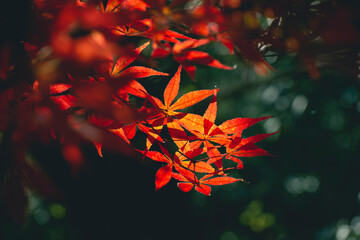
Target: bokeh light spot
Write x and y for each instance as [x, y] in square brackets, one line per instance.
[282, 103]
[297, 185]
[41, 216]
[355, 225]
[255, 218]
[336, 122]
[228, 236]
[299, 104]
[272, 125]
[57, 211]
[270, 94]
[342, 232]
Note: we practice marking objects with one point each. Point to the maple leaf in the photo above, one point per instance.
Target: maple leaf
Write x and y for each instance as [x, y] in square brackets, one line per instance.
[201, 185]
[187, 160]
[184, 55]
[245, 147]
[163, 175]
[168, 111]
[181, 161]
[165, 112]
[237, 125]
[205, 132]
[228, 134]
[122, 78]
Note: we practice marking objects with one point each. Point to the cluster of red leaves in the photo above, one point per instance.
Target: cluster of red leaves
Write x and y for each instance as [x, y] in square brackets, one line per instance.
[77, 80]
[197, 140]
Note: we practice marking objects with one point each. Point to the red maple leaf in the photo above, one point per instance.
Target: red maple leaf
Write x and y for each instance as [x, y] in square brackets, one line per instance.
[184, 55]
[122, 78]
[168, 111]
[201, 185]
[205, 132]
[245, 147]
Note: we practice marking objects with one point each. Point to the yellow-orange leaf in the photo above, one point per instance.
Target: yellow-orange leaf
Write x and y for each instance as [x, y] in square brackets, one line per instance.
[190, 99]
[172, 88]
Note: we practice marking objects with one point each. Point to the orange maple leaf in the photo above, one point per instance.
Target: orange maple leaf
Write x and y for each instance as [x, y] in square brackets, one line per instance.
[168, 111]
[201, 185]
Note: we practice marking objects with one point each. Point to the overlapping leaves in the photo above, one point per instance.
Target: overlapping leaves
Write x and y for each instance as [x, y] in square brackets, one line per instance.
[197, 140]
